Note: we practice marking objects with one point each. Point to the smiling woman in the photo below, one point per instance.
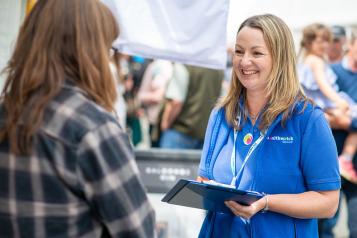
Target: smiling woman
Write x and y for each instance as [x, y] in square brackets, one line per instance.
[278, 152]
[252, 63]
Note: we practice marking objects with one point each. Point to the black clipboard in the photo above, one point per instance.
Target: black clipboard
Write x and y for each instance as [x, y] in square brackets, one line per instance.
[209, 197]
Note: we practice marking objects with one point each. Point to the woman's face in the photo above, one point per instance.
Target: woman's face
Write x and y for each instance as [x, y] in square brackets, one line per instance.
[319, 46]
[252, 60]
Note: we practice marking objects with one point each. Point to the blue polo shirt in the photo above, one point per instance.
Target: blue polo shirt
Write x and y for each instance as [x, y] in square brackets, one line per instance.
[299, 157]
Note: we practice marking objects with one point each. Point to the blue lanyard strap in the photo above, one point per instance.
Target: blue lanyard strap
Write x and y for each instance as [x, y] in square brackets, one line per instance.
[233, 156]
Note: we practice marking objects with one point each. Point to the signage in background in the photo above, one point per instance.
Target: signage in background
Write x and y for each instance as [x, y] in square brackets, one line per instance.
[160, 169]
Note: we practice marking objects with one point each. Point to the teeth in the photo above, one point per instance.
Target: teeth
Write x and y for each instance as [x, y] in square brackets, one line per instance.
[248, 72]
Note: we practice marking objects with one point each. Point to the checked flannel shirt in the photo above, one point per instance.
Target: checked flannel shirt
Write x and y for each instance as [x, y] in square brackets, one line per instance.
[80, 181]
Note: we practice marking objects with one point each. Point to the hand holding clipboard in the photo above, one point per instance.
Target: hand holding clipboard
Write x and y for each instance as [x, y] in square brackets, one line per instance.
[208, 196]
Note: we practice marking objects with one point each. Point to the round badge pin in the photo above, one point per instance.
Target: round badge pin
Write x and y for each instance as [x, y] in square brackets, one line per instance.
[248, 138]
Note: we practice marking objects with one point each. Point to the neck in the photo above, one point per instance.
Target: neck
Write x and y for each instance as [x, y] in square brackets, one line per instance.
[256, 103]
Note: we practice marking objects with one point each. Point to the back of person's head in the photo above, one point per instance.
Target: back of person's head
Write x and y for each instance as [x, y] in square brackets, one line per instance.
[283, 86]
[311, 32]
[60, 40]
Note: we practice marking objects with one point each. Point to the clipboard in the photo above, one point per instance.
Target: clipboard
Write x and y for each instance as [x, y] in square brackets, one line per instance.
[190, 193]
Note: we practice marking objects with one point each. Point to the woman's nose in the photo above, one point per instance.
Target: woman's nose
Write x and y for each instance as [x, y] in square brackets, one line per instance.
[245, 60]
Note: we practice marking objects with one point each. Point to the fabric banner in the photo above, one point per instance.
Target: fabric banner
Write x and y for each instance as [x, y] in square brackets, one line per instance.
[187, 31]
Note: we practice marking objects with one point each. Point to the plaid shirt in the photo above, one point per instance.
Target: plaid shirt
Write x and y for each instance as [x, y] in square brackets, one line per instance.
[81, 180]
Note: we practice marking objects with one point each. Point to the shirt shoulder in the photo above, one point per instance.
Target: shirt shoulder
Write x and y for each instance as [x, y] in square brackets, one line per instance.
[71, 115]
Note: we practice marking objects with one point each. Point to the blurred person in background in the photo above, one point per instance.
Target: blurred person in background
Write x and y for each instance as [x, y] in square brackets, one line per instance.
[151, 94]
[319, 82]
[192, 92]
[266, 136]
[336, 51]
[67, 168]
[228, 71]
[136, 66]
[346, 72]
[337, 47]
[119, 104]
[315, 75]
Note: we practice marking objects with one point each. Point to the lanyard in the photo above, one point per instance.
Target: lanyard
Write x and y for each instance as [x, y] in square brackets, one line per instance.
[250, 151]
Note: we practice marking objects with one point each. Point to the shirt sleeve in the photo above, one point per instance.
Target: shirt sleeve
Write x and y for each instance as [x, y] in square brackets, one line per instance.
[110, 180]
[178, 84]
[319, 155]
[202, 171]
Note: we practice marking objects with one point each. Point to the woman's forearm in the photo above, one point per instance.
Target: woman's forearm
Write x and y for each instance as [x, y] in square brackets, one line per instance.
[310, 204]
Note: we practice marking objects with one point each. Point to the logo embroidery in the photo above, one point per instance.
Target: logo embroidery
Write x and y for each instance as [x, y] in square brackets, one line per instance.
[283, 139]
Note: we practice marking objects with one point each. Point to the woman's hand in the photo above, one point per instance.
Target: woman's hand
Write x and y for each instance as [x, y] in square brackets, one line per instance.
[341, 122]
[247, 211]
[201, 179]
[343, 105]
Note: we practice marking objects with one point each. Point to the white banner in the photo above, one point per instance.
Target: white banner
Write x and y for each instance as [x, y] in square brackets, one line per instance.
[187, 31]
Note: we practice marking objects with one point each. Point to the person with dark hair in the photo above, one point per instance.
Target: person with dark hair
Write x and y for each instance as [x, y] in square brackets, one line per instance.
[337, 47]
[67, 168]
[267, 136]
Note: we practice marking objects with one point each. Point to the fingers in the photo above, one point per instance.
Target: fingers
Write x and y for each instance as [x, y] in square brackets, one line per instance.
[233, 208]
[201, 179]
[240, 210]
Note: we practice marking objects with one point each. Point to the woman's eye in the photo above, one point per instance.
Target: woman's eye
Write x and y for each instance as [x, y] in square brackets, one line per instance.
[239, 52]
[258, 53]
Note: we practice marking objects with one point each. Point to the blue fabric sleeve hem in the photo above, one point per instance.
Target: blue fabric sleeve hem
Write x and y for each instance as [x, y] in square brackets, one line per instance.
[202, 173]
[333, 185]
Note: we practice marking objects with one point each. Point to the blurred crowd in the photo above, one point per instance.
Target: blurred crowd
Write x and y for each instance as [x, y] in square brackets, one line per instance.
[166, 104]
[162, 99]
[147, 86]
[70, 113]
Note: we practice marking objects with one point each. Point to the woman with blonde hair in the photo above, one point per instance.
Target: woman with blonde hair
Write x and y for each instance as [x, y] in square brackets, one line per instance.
[67, 168]
[266, 136]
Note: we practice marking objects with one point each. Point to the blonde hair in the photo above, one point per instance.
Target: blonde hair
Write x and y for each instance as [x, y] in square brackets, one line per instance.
[283, 88]
[60, 40]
